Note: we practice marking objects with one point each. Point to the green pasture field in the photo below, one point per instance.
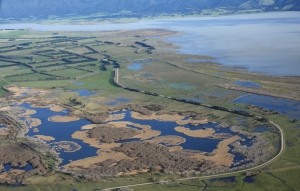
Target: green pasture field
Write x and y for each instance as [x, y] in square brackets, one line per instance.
[3, 63]
[164, 79]
[80, 50]
[97, 56]
[73, 73]
[46, 64]
[12, 70]
[42, 84]
[103, 80]
[40, 58]
[2, 91]
[28, 77]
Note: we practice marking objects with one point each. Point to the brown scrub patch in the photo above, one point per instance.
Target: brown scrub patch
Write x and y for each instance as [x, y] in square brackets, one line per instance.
[92, 161]
[7, 176]
[4, 131]
[57, 108]
[34, 122]
[146, 131]
[63, 119]
[88, 127]
[46, 138]
[110, 134]
[168, 140]
[83, 135]
[202, 133]
[115, 117]
[7, 108]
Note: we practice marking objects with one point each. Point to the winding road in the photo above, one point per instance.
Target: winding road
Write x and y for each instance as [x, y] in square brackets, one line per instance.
[217, 175]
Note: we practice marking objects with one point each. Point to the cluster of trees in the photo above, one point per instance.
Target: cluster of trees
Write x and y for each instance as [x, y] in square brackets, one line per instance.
[110, 134]
[37, 79]
[149, 156]
[254, 154]
[261, 109]
[19, 156]
[23, 74]
[74, 101]
[98, 118]
[145, 45]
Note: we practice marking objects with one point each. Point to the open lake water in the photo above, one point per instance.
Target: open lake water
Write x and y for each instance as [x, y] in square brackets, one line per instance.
[266, 42]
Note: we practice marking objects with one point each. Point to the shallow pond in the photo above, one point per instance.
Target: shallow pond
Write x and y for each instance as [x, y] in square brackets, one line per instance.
[226, 179]
[138, 65]
[249, 179]
[283, 106]
[247, 84]
[260, 129]
[84, 93]
[8, 167]
[78, 83]
[117, 101]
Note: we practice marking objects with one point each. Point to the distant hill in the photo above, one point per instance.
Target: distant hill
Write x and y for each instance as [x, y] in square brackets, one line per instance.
[44, 8]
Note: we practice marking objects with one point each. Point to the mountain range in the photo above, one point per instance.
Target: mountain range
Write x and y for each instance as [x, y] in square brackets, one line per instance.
[44, 8]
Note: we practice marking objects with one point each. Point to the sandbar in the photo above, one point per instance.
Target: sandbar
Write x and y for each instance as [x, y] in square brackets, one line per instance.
[188, 121]
[63, 119]
[46, 138]
[36, 130]
[147, 132]
[175, 148]
[201, 133]
[34, 122]
[88, 127]
[102, 156]
[57, 108]
[168, 140]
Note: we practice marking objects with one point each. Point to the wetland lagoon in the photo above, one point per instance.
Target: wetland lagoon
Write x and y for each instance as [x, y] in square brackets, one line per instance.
[61, 132]
[129, 139]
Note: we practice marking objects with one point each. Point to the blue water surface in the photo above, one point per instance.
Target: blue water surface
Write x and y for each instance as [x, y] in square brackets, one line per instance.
[139, 64]
[84, 93]
[283, 106]
[62, 132]
[247, 84]
[8, 167]
[260, 129]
